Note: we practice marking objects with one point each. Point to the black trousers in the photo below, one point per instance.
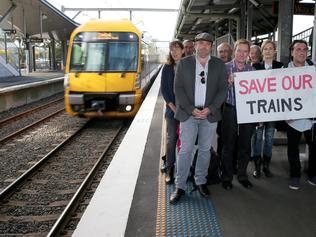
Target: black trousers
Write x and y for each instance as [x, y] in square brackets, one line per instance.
[220, 144]
[235, 135]
[172, 138]
[219, 138]
[293, 140]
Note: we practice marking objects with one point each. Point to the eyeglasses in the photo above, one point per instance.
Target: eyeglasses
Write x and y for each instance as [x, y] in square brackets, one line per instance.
[202, 75]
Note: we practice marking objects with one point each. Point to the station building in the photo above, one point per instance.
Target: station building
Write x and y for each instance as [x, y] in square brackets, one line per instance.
[33, 37]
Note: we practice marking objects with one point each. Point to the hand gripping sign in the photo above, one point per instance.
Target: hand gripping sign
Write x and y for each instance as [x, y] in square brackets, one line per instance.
[278, 94]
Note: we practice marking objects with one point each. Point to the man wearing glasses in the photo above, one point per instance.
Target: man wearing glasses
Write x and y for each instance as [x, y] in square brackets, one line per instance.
[200, 89]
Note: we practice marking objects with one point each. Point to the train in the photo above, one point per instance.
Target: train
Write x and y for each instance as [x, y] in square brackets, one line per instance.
[108, 70]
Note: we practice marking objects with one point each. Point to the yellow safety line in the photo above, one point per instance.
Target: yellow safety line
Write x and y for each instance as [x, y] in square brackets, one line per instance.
[161, 205]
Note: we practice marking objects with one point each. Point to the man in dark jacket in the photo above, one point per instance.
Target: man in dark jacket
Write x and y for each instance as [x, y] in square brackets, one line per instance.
[200, 89]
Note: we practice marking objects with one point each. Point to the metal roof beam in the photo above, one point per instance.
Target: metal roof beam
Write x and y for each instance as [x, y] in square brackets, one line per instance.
[262, 11]
[6, 14]
[222, 7]
[76, 15]
[119, 9]
[212, 16]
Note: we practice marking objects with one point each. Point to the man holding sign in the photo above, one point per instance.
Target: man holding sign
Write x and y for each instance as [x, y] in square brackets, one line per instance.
[232, 132]
[283, 94]
[305, 125]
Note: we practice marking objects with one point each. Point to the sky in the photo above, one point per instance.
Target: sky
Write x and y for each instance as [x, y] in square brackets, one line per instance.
[302, 23]
[159, 25]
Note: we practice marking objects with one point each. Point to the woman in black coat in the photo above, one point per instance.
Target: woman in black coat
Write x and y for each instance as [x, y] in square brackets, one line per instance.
[262, 153]
[166, 88]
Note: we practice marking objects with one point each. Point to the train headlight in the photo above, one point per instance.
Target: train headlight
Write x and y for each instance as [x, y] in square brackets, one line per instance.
[66, 81]
[128, 108]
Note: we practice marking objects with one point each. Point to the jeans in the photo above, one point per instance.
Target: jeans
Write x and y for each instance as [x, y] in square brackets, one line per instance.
[172, 138]
[189, 130]
[266, 149]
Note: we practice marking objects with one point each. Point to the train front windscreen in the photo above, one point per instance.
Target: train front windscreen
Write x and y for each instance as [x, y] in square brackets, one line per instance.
[104, 52]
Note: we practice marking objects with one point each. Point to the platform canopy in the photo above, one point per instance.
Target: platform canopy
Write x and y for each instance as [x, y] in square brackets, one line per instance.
[197, 16]
[35, 18]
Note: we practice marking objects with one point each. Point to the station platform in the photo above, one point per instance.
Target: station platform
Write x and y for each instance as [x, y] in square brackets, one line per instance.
[133, 199]
[30, 78]
[21, 90]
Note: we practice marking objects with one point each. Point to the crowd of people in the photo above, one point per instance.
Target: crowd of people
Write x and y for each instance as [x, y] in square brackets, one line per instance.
[199, 92]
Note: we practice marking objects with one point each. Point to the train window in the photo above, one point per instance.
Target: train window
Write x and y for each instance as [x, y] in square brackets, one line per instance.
[76, 56]
[122, 56]
[95, 58]
[101, 52]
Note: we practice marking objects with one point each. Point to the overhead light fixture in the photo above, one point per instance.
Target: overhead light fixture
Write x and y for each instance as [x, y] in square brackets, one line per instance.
[233, 10]
[198, 21]
[224, 2]
[255, 3]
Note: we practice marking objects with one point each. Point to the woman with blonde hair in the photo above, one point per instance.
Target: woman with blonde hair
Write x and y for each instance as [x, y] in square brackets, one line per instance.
[262, 148]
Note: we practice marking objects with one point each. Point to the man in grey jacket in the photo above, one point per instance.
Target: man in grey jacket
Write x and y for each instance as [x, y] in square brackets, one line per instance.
[200, 90]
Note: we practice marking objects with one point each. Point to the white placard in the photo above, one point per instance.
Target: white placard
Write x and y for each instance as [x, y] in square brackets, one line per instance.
[277, 94]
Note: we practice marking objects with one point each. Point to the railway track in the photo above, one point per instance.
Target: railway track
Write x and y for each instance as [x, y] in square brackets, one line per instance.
[41, 201]
[69, 224]
[21, 152]
[17, 124]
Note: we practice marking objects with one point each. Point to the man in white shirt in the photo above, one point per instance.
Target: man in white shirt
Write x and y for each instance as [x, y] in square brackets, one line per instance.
[296, 127]
[200, 90]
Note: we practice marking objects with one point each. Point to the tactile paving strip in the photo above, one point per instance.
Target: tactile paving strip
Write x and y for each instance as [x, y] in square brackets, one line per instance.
[161, 208]
[192, 216]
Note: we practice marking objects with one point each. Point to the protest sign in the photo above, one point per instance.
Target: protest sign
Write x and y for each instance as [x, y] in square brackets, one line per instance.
[277, 94]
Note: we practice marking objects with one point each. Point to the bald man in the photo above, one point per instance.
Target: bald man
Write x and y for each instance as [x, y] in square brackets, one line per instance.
[255, 54]
[188, 47]
[224, 52]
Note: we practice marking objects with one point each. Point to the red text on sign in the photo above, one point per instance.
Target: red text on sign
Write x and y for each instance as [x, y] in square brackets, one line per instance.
[257, 86]
[297, 83]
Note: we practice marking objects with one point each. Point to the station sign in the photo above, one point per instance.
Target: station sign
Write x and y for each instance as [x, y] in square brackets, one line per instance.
[9, 31]
[33, 40]
[299, 8]
[36, 40]
[304, 8]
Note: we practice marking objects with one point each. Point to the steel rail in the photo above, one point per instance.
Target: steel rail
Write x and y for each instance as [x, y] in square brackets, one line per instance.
[11, 187]
[30, 126]
[72, 205]
[17, 116]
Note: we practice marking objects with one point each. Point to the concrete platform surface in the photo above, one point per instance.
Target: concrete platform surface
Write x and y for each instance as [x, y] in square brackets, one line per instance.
[31, 77]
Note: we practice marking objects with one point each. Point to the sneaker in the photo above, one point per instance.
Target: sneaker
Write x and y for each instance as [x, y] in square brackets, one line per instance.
[294, 183]
[312, 181]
